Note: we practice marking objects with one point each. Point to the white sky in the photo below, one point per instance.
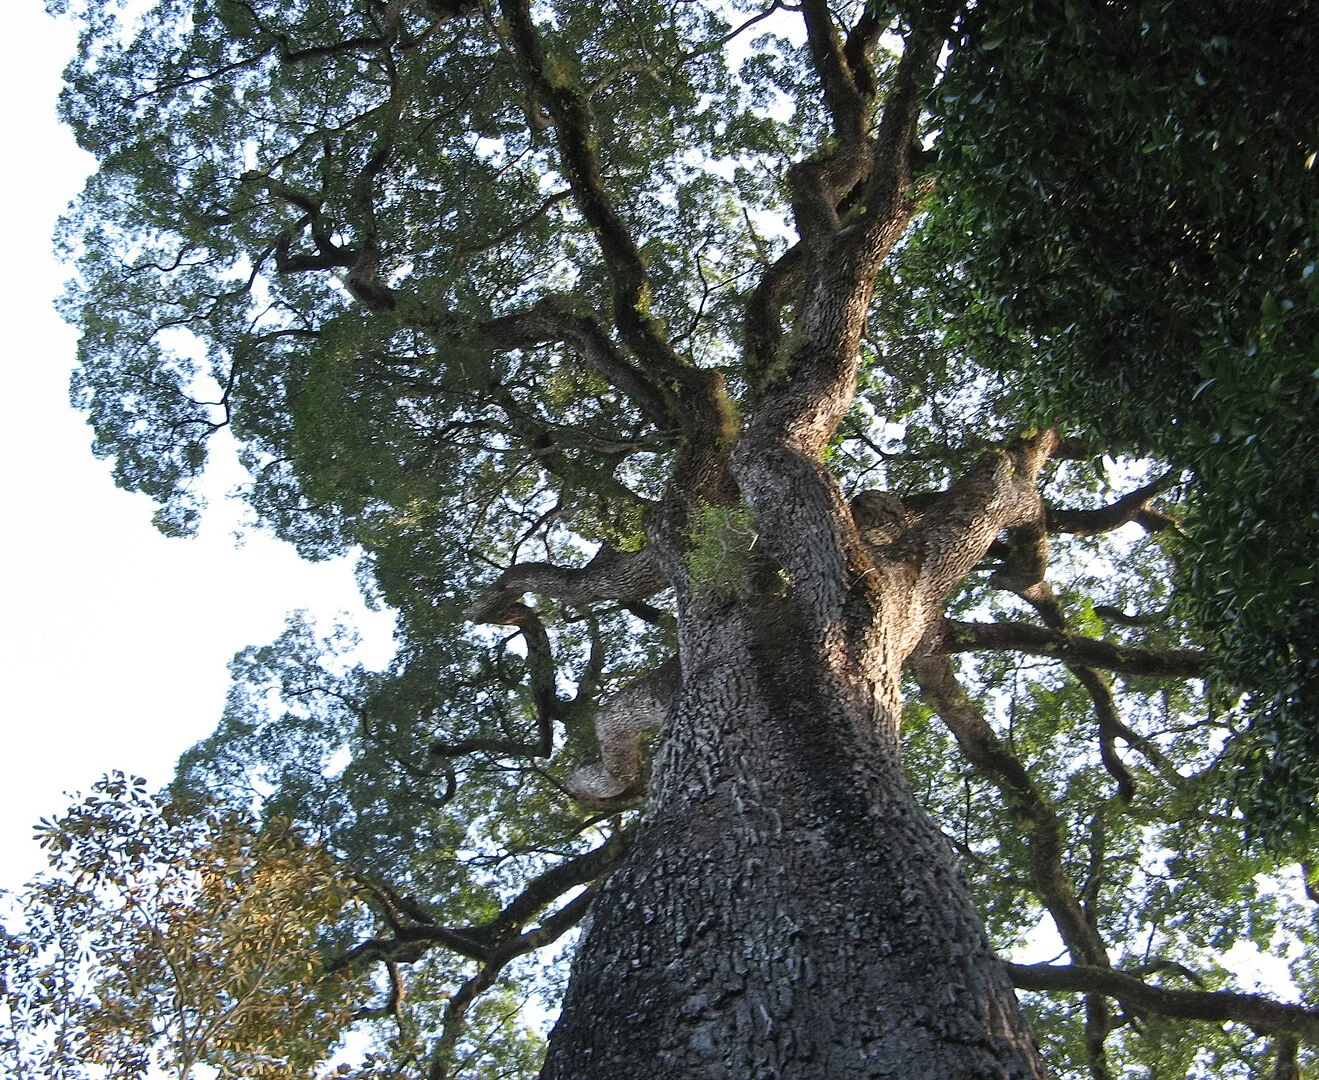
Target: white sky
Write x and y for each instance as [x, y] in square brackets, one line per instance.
[114, 640]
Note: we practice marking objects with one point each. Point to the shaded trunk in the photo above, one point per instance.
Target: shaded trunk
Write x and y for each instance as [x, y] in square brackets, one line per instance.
[789, 910]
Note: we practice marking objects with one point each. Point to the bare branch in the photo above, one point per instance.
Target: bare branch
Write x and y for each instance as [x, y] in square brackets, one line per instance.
[1044, 831]
[627, 576]
[551, 319]
[1133, 506]
[1215, 1006]
[570, 110]
[551, 201]
[1072, 649]
[500, 939]
[847, 105]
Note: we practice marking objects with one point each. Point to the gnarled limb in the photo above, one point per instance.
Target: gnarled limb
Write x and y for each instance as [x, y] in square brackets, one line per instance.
[1072, 649]
[544, 694]
[1044, 831]
[413, 933]
[551, 319]
[620, 725]
[626, 576]
[999, 492]
[1134, 506]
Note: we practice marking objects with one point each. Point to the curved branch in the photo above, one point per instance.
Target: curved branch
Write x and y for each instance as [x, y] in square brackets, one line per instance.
[503, 935]
[1261, 1013]
[626, 576]
[620, 725]
[455, 1012]
[1044, 831]
[570, 111]
[998, 493]
[552, 320]
[1037, 592]
[544, 694]
[1133, 506]
[547, 204]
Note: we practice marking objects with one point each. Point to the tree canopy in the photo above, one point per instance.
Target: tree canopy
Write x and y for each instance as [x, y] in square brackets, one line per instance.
[588, 326]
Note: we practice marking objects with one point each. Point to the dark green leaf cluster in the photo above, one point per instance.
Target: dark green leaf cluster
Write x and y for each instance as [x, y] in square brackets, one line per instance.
[1129, 232]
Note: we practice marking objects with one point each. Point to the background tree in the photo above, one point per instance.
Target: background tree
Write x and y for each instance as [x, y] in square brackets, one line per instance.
[597, 306]
[167, 937]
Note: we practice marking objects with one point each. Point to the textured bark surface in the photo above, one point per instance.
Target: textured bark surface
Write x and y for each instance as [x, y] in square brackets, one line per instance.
[789, 910]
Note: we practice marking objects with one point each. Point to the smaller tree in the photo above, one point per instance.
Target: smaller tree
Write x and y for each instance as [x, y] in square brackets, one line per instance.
[168, 936]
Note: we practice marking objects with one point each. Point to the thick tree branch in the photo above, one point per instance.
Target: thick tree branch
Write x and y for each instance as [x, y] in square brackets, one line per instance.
[999, 492]
[551, 319]
[620, 724]
[1044, 831]
[848, 105]
[1215, 1006]
[1285, 1066]
[455, 1012]
[1072, 649]
[487, 942]
[762, 324]
[546, 887]
[859, 48]
[1133, 506]
[625, 576]
[570, 110]
[545, 699]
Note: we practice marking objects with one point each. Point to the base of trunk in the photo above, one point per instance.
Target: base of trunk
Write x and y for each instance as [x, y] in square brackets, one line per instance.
[789, 911]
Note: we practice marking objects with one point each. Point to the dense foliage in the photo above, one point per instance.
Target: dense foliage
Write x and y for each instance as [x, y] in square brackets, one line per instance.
[1131, 231]
[443, 269]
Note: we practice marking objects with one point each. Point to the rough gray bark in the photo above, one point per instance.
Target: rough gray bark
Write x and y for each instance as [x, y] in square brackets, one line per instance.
[789, 910]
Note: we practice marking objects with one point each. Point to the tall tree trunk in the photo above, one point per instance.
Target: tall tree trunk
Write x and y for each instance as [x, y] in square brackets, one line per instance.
[789, 910]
